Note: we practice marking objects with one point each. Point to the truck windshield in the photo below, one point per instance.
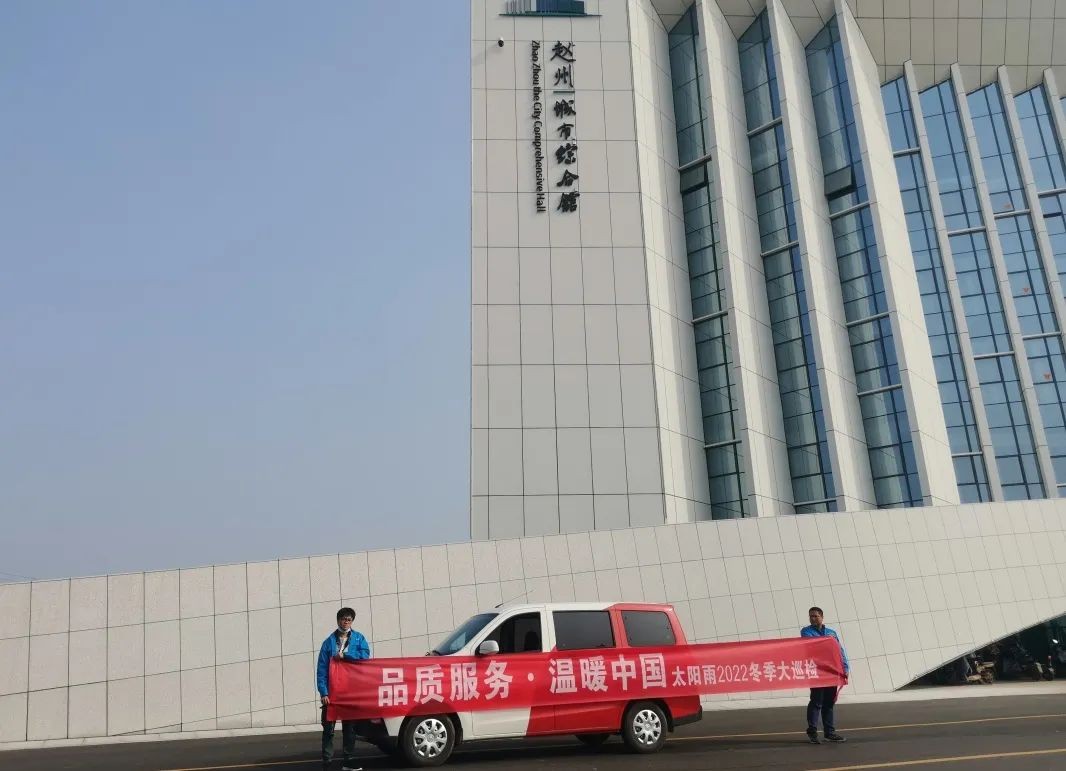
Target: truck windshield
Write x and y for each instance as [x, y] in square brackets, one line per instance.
[463, 634]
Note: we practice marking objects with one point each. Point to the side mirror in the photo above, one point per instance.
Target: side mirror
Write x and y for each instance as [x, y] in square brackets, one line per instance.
[488, 648]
